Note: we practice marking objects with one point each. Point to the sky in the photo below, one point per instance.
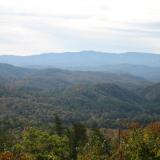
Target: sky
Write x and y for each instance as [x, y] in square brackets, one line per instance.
[40, 26]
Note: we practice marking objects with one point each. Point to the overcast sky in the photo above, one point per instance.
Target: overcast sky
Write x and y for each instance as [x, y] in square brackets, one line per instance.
[38, 26]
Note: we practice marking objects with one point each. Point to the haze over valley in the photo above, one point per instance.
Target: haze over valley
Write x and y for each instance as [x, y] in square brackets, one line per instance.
[119, 87]
[79, 80]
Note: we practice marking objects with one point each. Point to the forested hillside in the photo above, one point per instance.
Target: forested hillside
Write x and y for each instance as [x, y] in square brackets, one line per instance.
[55, 114]
[92, 97]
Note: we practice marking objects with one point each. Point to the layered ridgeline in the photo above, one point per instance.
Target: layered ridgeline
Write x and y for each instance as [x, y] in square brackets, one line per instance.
[139, 64]
[34, 95]
[84, 58]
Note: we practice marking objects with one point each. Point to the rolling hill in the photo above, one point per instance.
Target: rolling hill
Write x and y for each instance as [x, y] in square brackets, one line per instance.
[152, 93]
[50, 79]
[35, 95]
[143, 65]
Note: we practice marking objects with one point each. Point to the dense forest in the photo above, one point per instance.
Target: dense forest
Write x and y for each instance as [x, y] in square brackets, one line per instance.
[33, 96]
[77, 142]
[55, 114]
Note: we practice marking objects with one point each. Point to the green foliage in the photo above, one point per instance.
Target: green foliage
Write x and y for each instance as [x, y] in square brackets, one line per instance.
[43, 146]
[58, 125]
[79, 143]
[141, 145]
[77, 138]
[97, 147]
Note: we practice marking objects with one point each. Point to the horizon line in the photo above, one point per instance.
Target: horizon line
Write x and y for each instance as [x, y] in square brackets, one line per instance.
[76, 52]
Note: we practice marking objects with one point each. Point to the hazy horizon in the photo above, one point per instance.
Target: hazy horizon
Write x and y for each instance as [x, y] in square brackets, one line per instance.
[33, 27]
[77, 52]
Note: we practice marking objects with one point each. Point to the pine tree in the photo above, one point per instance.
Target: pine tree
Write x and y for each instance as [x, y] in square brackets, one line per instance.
[58, 125]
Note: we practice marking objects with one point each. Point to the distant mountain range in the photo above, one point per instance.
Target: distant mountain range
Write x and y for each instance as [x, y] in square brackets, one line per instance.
[145, 65]
[84, 58]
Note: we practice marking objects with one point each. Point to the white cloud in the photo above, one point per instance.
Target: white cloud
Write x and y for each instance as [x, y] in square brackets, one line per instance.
[34, 26]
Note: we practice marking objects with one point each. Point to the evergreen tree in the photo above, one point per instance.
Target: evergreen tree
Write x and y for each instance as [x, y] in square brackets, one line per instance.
[58, 125]
[77, 139]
